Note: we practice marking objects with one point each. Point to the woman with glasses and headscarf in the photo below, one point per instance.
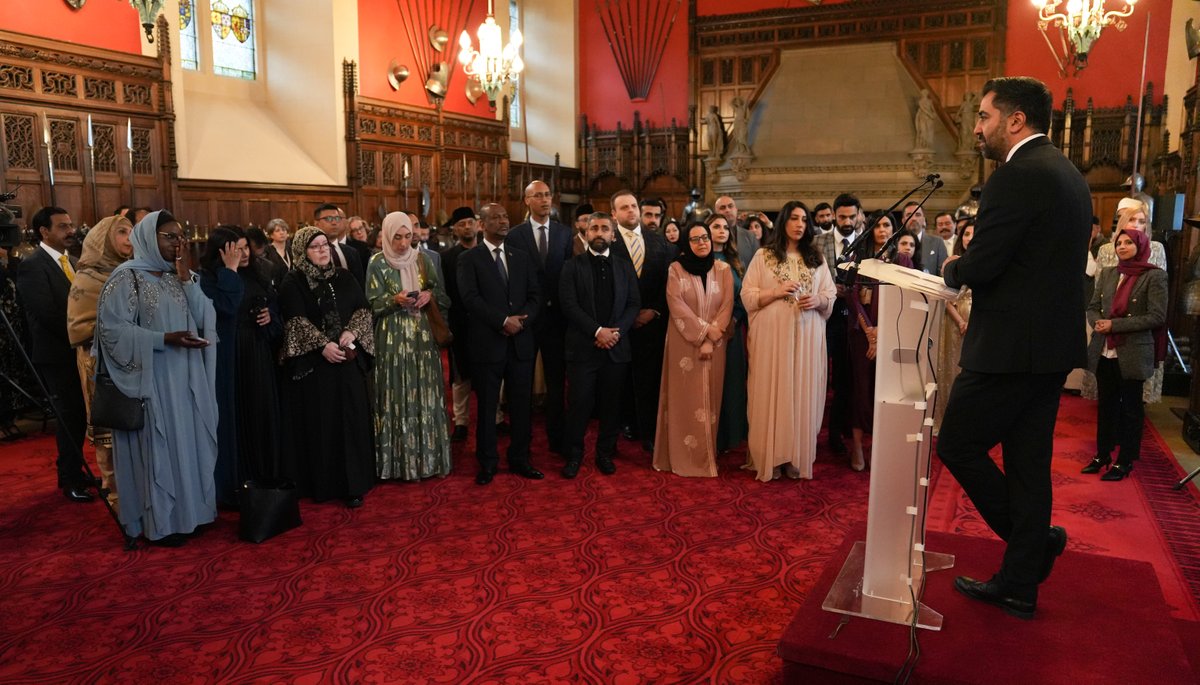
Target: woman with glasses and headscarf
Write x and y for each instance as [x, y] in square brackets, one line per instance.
[151, 328]
[106, 246]
[328, 344]
[700, 304]
[413, 439]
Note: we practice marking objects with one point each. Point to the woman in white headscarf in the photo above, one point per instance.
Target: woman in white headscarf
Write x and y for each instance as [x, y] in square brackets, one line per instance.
[412, 431]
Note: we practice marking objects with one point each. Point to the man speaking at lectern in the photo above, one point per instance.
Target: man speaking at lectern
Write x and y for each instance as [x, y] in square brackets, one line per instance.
[1025, 270]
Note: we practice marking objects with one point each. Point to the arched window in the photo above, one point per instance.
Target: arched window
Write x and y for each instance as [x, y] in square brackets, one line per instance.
[232, 42]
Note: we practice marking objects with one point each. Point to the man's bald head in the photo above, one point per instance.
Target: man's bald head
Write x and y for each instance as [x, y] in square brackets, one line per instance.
[727, 208]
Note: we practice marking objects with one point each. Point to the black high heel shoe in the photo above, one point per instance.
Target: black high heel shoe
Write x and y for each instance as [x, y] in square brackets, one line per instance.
[1096, 464]
[1117, 472]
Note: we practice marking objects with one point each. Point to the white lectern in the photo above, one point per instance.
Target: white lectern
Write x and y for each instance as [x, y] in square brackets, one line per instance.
[882, 577]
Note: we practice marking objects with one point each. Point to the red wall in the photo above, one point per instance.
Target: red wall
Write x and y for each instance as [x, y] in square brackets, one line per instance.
[382, 37]
[100, 24]
[602, 94]
[1112, 74]
[1114, 63]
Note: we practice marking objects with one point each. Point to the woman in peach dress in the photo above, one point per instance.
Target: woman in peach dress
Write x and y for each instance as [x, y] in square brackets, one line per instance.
[700, 301]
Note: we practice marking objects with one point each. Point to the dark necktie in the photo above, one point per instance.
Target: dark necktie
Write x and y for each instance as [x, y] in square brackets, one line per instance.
[338, 256]
[543, 247]
[845, 244]
[500, 267]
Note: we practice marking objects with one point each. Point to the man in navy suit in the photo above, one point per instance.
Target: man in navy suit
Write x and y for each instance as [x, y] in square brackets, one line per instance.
[329, 218]
[933, 248]
[43, 284]
[599, 298]
[499, 287]
[549, 243]
[1025, 270]
[650, 255]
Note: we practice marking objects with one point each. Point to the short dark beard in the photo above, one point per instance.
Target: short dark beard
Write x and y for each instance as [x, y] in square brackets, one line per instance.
[604, 245]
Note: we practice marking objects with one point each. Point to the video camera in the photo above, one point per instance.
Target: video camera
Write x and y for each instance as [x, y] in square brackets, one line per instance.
[10, 232]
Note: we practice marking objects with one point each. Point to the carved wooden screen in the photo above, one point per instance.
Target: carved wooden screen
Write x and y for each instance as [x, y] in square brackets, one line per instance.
[398, 155]
[82, 128]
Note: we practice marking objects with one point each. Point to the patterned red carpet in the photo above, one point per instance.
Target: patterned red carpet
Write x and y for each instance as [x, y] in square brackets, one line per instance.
[640, 577]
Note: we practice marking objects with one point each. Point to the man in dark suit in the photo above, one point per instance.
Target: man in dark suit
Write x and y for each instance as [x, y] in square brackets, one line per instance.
[599, 297]
[328, 217]
[580, 243]
[549, 243]
[933, 248]
[747, 244]
[462, 224]
[499, 287]
[1025, 270]
[651, 255]
[43, 284]
[846, 210]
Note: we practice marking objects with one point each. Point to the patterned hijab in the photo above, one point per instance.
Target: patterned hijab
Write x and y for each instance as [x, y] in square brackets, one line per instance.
[315, 275]
[99, 248]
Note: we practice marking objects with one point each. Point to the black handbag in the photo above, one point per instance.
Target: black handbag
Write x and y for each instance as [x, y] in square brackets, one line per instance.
[266, 509]
[112, 408]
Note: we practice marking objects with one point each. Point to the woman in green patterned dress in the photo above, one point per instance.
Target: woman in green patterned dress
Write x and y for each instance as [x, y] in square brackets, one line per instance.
[411, 427]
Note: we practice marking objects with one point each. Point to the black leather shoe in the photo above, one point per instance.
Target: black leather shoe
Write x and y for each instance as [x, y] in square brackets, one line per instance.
[484, 477]
[459, 434]
[1056, 542]
[77, 494]
[354, 502]
[992, 593]
[627, 432]
[571, 469]
[503, 428]
[1117, 472]
[1096, 464]
[605, 465]
[527, 471]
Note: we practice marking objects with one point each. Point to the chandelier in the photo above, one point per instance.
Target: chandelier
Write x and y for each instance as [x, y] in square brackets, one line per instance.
[494, 65]
[148, 11]
[1080, 24]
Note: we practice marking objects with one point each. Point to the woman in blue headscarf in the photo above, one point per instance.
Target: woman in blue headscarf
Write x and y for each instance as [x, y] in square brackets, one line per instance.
[152, 323]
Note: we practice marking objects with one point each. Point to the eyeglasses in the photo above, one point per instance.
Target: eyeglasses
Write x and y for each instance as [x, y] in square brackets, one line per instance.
[318, 246]
[171, 237]
[335, 219]
[699, 239]
[540, 196]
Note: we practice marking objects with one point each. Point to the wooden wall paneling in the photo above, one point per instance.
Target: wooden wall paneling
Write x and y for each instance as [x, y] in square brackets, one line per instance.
[56, 89]
[205, 203]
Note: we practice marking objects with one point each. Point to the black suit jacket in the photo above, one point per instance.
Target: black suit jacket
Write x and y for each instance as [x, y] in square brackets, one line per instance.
[652, 284]
[557, 253]
[43, 289]
[489, 302]
[356, 264]
[1025, 266]
[577, 298]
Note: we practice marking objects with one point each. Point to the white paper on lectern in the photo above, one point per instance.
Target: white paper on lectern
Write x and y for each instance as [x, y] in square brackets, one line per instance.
[909, 279]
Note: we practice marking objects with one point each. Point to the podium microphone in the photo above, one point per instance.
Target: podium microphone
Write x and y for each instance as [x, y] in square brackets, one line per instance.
[936, 180]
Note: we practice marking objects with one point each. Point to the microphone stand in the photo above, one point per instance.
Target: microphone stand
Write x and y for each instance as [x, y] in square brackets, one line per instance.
[887, 245]
[846, 276]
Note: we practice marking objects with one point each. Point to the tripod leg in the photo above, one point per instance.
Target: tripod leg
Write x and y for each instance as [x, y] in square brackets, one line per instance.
[1188, 478]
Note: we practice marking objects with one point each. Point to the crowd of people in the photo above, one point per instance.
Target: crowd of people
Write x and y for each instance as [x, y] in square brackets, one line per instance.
[316, 356]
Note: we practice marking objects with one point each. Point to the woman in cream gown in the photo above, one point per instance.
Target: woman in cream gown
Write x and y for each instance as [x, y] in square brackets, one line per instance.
[788, 294]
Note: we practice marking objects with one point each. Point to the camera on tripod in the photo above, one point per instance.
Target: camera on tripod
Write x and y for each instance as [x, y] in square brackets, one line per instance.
[10, 232]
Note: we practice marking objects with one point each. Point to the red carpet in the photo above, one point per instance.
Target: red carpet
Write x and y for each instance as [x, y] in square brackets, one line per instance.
[640, 577]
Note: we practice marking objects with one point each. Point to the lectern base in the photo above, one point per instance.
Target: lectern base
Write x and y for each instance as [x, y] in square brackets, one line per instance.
[846, 595]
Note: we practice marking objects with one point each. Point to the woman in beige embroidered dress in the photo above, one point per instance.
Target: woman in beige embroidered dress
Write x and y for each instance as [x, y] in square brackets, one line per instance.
[700, 301]
[789, 294]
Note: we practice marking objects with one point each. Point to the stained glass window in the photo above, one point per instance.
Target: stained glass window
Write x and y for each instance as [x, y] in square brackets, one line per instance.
[189, 47]
[514, 106]
[233, 38]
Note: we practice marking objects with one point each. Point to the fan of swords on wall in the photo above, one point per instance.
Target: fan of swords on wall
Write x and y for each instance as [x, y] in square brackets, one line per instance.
[428, 26]
[637, 32]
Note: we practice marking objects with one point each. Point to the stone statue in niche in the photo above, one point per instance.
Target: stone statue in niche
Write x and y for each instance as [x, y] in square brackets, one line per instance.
[923, 122]
[967, 112]
[740, 134]
[714, 134]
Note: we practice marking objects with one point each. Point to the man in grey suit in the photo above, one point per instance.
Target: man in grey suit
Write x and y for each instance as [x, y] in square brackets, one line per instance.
[933, 250]
[1030, 243]
[846, 212]
[747, 244]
